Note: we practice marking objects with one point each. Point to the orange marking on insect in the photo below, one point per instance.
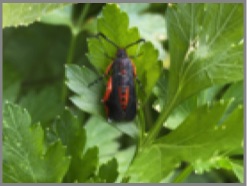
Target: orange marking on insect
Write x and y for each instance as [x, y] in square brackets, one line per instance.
[134, 68]
[123, 93]
[108, 69]
[108, 90]
[123, 71]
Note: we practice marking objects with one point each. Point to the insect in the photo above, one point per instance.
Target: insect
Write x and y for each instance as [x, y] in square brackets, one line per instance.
[120, 95]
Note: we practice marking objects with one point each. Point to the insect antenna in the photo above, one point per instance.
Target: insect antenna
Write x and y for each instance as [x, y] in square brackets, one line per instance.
[107, 39]
[134, 43]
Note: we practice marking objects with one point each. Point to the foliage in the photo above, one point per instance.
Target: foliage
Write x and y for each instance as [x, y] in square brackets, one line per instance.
[18, 14]
[29, 162]
[190, 115]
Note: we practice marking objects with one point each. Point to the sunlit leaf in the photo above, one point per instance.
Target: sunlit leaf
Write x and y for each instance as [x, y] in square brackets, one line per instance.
[19, 14]
[153, 31]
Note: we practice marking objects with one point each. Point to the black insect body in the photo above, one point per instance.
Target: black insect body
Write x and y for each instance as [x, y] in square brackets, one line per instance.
[120, 96]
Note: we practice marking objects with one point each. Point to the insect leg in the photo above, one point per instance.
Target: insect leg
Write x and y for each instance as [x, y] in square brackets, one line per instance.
[101, 77]
[134, 72]
[134, 68]
[97, 80]
[108, 69]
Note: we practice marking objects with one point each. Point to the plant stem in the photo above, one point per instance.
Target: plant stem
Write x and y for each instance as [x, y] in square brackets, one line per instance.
[69, 61]
[161, 119]
[184, 174]
[148, 115]
[83, 15]
[141, 128]
[75, 30]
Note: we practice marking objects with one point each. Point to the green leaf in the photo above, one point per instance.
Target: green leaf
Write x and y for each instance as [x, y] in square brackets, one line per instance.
[73, 136]
[112, 17]
[18, 14]
[134, 8]
[201, 137]
[236, 92]
[124, 158]
[154, 31]
[179, 114]
[114, 23]
[43, 106]
[40, 48]
[204, 51]
[60, 16]
[216, 162]
[102, 135]
[238, 169]
[147, 167]
[11, 83]
[26, 159]
[89, 163]
[222, 162]
[108, 172]
[68, 128]
[87, 99]
[161, 91]
[72, 16]
[206, 46]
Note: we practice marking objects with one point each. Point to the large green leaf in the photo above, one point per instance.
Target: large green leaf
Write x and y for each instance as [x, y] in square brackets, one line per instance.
[201, 137]
[11, 83]
[26, 159]
[61, 16]
[102, 135]
[206, 49]
[68, 128]
[206, 46]
[43, 106]
[18, 14]
[37, 48]
[124, 158]
[73, 136]
[87, 99]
